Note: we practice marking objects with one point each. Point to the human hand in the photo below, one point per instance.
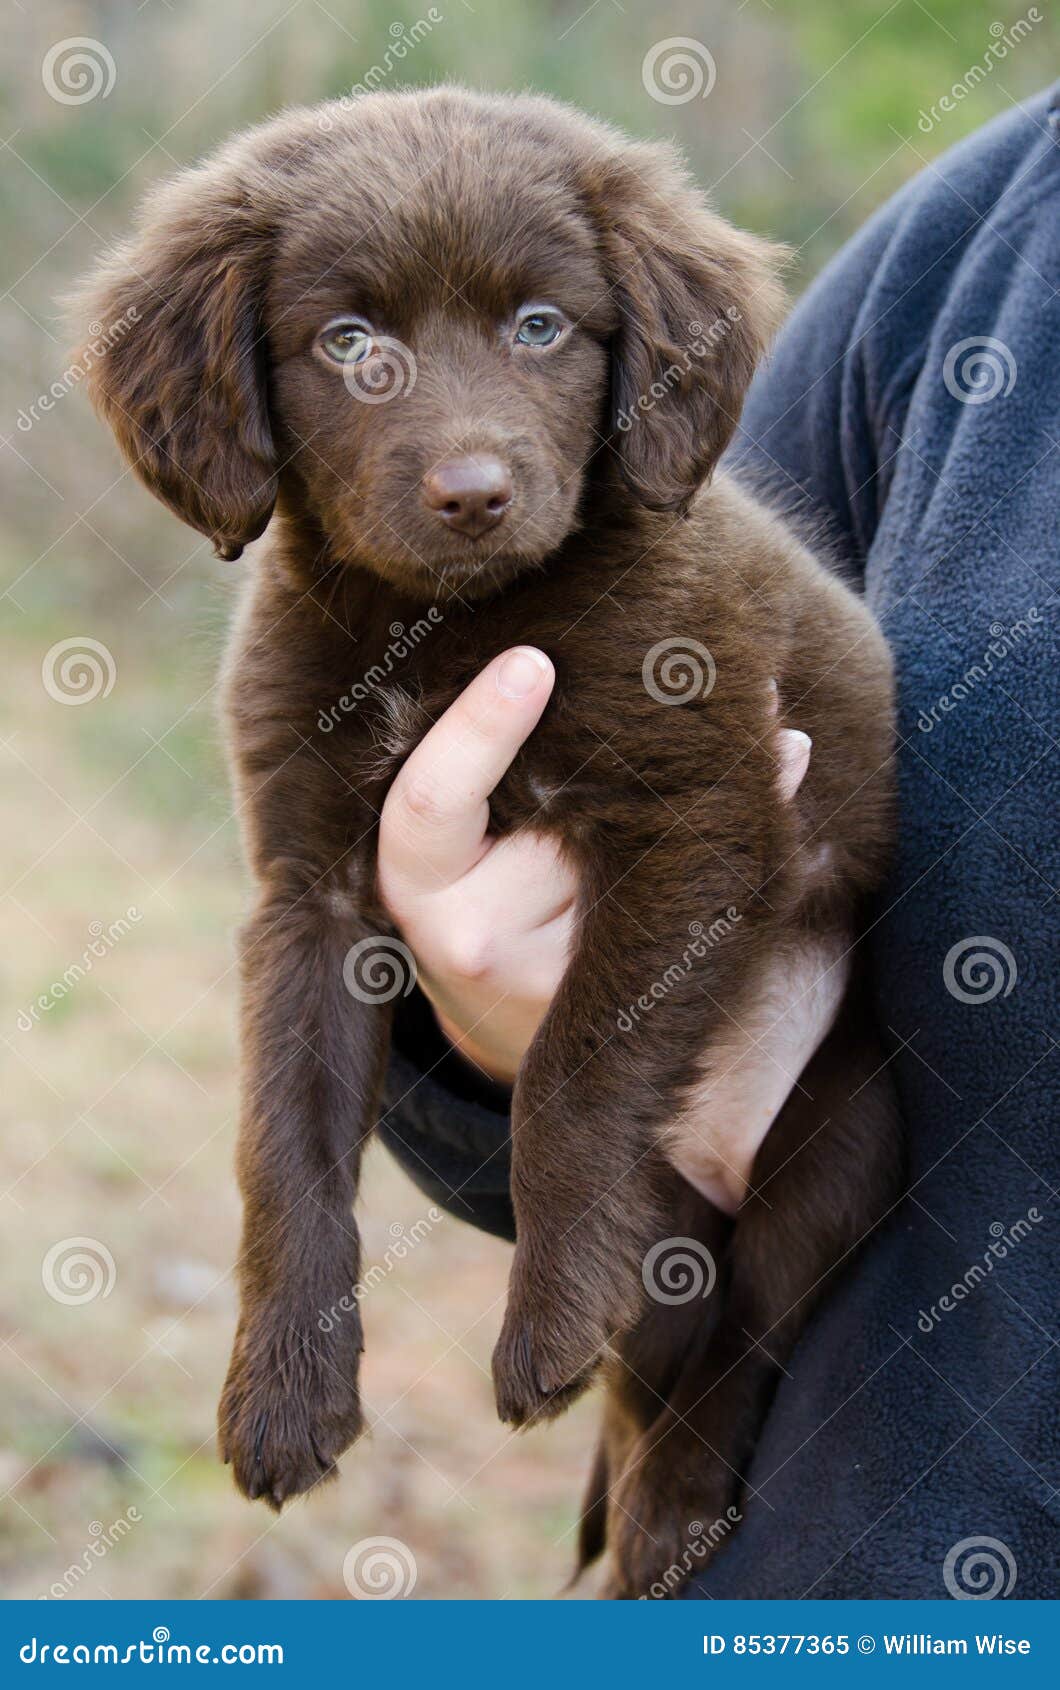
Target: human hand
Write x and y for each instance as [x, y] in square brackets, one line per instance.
[489, 921]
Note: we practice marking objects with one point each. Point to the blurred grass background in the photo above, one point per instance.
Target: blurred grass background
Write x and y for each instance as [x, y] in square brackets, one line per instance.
[119, 1101]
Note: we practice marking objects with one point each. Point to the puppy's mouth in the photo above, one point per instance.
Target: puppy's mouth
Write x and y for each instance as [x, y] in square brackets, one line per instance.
[485, 557]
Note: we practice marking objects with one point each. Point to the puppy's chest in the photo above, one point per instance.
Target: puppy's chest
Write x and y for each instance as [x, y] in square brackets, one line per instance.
[632, 724]
[567, 773]
[601, 756]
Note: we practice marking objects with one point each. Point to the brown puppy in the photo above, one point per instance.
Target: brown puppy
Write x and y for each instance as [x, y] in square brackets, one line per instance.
[482, 355]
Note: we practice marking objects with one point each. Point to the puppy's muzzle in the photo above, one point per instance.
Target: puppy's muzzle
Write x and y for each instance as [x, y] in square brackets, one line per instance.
[469, 493]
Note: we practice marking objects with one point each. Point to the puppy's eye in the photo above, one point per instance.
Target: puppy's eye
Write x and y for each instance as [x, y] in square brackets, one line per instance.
[540, 325]
[346, 341]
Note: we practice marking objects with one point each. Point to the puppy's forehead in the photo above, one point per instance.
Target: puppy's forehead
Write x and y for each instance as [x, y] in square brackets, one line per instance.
[395, 219]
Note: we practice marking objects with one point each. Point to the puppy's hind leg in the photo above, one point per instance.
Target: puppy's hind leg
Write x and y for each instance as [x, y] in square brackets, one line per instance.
[829, 1170]
[646, 1365]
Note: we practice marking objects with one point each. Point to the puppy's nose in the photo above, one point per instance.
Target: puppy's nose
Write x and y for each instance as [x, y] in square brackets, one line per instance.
[470, 493]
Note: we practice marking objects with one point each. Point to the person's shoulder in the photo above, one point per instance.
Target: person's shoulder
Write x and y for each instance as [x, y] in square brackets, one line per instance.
[1007, 164]
[949, 242]
[960, 225]
[941, 233]
[998, 171]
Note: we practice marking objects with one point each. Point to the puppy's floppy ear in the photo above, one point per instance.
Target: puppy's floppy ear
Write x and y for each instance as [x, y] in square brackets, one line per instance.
[174, 353]
[698, 302]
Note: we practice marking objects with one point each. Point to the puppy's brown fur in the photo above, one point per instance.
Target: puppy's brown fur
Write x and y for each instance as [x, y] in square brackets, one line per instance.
[435, 217]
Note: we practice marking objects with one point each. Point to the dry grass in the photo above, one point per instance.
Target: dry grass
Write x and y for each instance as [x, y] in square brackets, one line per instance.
[120, 1103]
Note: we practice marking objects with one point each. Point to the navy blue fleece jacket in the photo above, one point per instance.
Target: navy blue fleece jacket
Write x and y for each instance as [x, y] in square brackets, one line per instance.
[912, 409]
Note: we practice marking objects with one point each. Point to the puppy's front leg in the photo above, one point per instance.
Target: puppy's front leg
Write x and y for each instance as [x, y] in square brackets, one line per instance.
[313, 1062]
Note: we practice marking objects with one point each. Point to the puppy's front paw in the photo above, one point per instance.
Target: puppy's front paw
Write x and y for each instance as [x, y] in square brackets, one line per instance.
[542, 1363]
[290, 1406]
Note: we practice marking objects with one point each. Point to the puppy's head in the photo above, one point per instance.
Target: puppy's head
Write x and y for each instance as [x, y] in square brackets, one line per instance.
[424, 321]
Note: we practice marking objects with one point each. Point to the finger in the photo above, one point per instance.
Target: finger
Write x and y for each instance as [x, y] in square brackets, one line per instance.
[520, 884]
[436, 813]
[492, 1023]
[486, 983]
[793, 747]
[506, 922]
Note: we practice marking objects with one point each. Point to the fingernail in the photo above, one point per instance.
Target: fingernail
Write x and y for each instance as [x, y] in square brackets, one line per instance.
[795, 748]
[521, 672]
